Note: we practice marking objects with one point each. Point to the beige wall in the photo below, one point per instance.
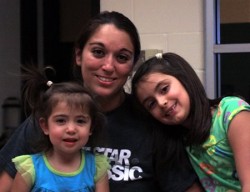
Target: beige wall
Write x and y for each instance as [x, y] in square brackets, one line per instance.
[169, 25]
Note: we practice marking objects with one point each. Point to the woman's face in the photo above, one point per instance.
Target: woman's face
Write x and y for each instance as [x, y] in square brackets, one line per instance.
[165, 98]
[106, 61]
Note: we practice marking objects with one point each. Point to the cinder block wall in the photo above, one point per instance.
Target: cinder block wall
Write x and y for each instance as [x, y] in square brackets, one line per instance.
[168, 25]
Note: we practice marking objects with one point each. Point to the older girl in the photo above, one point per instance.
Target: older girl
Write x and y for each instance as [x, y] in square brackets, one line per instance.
[216, 132]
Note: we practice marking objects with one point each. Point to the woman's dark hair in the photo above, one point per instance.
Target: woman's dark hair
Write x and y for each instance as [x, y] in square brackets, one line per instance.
[106, 17]
[40, 97]
[200, 114]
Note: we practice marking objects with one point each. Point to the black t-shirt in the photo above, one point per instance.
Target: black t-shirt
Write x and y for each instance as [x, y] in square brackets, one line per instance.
[131, 156]
[130, 152]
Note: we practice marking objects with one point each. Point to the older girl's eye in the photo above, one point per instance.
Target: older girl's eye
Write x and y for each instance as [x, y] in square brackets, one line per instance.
[150, 105]
[164, 89]
[98, 53]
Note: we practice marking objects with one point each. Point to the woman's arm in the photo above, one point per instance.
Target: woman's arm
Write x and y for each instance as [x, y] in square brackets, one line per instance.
[102, 185]
[17, 144]
[239, 139]
[5, 181]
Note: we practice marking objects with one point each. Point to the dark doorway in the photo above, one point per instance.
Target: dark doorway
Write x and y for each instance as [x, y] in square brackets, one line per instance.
[49, 29]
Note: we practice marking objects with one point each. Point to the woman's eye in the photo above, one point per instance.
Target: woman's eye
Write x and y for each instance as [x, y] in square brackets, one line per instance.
[123, 58]
[98, 53]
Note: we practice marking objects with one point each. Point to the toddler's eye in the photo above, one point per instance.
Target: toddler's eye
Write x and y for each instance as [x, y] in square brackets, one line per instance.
[60, 120]
[82, 120]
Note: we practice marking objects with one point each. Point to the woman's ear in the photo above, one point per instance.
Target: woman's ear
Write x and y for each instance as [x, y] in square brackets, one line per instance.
[78, 56]
[44, 125]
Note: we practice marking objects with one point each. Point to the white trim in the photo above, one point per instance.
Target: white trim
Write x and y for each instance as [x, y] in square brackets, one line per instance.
[232, 48]
[210, 73]
[213, 48]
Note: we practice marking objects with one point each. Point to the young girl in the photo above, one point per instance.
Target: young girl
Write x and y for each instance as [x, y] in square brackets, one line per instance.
[216, 132]
[69, 119]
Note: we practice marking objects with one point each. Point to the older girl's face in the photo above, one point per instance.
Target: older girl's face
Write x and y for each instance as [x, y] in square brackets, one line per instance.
[165, 98]
[106, 61]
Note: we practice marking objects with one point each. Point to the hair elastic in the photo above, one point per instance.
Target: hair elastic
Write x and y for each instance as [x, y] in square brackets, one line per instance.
[158, 55]
[49, 83]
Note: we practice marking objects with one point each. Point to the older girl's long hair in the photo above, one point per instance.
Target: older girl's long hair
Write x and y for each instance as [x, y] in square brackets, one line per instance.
[200, 115]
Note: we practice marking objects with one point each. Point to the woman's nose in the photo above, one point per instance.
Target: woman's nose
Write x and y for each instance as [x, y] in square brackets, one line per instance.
[108, 64]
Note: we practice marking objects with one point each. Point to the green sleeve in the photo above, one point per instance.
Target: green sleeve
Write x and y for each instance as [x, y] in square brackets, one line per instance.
[102, 165]
[25, 167]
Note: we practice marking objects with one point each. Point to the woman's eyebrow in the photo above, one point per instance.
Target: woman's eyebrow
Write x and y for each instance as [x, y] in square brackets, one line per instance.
[97, 43]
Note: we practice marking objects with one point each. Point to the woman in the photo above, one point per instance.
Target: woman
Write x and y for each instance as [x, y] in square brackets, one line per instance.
[105, 54]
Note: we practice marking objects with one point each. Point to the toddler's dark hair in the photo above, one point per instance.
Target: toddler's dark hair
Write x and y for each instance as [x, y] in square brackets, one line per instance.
[41, 96]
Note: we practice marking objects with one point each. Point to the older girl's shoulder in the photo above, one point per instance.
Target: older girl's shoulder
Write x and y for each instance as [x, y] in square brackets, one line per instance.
[233, 101]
